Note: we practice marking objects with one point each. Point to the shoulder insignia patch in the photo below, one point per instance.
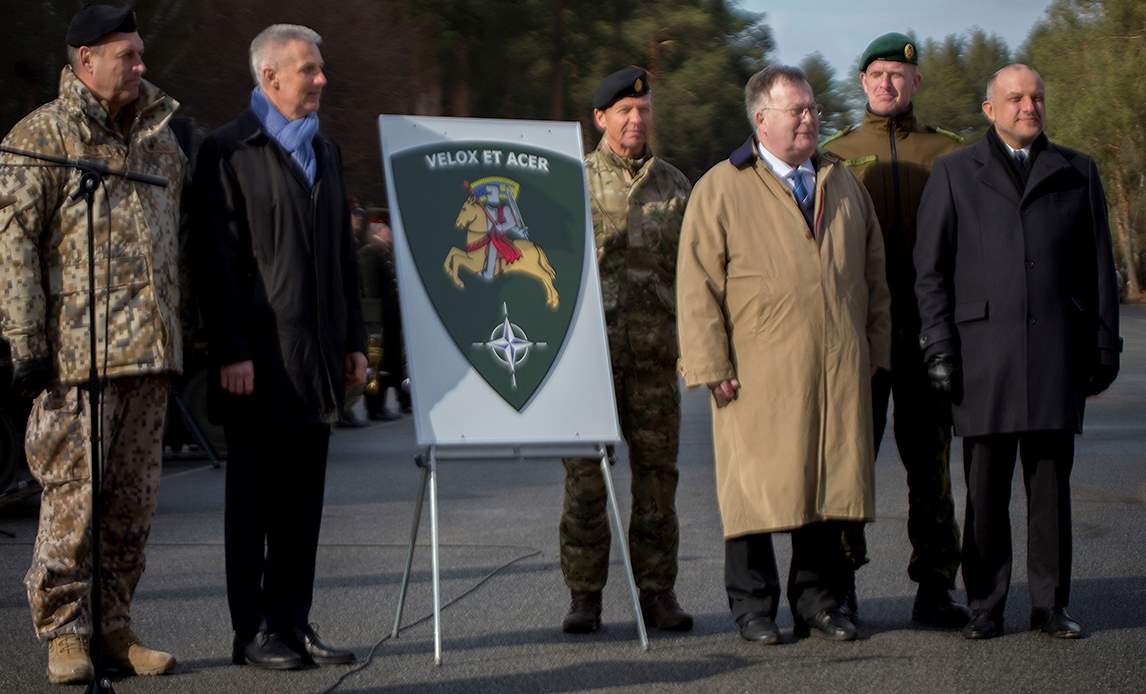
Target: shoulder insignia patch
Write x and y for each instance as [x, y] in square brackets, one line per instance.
[838, 135]
[946, 133]
[860, 161]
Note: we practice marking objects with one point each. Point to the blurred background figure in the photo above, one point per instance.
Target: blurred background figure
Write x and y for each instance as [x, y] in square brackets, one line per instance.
[379, 285]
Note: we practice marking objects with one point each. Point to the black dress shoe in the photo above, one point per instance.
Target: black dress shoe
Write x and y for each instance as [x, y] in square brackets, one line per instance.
[934, 607]
[759, 628]
[1057, 623]
[983, 626]
[311, 648]
[849, 605]
[266, 650]
[830, 624]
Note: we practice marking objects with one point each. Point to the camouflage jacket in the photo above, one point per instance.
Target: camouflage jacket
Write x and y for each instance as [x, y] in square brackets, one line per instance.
[43, 238]
[638, 206]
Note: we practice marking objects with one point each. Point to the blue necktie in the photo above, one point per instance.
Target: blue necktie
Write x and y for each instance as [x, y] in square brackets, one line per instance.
[799, 189]
[1023, 159]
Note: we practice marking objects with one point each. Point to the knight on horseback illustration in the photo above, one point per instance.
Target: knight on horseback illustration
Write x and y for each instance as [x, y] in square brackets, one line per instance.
[497, 239]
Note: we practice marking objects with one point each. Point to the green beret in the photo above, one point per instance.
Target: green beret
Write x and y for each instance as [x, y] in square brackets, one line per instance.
[896, 47]
[96, 21]
[630, 81]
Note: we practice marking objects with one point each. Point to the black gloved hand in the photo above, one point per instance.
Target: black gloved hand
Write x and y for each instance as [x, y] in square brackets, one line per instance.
[1103, 373]
[945, 375]
[31, 377]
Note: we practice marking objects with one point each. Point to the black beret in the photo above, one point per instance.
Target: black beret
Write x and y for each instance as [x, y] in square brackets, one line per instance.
[94, 22]
[630, 81]
[896, 47]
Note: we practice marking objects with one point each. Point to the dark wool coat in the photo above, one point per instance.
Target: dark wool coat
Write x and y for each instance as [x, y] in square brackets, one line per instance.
[276, 271]
[1017, 282]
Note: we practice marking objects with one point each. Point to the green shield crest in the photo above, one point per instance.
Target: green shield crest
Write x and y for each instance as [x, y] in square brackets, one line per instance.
[497, 234]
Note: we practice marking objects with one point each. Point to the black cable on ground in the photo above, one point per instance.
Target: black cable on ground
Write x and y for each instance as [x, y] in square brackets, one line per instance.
[370, 656]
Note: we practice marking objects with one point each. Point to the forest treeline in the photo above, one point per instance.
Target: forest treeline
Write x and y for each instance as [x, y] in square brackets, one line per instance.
[541, 59]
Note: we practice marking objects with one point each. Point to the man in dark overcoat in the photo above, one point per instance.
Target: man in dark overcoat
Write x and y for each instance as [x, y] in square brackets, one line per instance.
[1019, 311]
[279, 284]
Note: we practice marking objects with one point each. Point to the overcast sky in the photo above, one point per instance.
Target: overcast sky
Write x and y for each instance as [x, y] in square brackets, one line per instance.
[841, 29]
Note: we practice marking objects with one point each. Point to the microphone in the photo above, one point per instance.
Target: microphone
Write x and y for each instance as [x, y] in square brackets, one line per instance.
[87, 165]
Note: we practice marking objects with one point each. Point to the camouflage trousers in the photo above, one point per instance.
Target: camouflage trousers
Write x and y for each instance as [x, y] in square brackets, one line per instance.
[57, 444]
[922, 428]
[648, 404]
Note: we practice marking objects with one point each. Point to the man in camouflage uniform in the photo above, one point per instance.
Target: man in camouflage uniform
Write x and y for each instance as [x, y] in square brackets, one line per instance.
[104, 112]
[638, 204]
[892, 154]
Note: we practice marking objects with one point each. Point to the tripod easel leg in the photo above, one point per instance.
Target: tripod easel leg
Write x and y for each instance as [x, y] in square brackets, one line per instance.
[433, 462]
[410, 553]
[624, 545]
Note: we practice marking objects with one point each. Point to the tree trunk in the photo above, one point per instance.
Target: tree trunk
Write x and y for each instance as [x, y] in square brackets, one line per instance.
[557, 63]
[460, 86]
[1124, 237]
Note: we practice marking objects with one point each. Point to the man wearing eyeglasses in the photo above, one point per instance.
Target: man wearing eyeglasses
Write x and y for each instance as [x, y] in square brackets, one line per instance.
[783, 313]
[891, 153]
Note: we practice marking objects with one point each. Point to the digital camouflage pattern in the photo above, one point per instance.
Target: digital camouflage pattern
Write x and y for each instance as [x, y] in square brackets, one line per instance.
[59, 578]
[43, 238]
[892, 157]
[637, 208]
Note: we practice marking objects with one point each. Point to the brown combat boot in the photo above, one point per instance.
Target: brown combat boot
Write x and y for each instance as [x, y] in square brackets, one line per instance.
[662, 610]
[122, 650]
[584, 612]
[68, 661]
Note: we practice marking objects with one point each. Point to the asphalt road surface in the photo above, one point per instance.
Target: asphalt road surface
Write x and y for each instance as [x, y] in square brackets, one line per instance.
[502, 583]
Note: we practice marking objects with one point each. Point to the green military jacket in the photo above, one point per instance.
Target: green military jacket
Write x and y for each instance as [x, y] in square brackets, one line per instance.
[892, 157]
[43, 238]
[638, 206]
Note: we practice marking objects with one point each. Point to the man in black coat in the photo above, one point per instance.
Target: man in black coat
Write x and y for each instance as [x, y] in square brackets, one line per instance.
[1019, 309]
[278, 279]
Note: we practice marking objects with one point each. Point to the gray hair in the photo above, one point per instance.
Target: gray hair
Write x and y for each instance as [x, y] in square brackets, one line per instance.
[759, 85]
[273, 37]
[1009, 66]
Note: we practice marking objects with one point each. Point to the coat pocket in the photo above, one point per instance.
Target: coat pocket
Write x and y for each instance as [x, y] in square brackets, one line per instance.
[745, 298]
[971, 311]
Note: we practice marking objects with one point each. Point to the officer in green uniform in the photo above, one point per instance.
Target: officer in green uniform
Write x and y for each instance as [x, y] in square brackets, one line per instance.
[637, 202]
[891, 154]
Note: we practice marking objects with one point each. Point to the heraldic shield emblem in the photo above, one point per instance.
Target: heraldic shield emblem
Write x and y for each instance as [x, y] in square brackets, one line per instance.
[497, 233]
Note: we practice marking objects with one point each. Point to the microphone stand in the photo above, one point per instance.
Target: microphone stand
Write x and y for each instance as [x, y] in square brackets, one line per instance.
[92, 174]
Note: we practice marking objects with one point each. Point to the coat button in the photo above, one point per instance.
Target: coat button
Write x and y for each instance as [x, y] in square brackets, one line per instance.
[1030, 264]
[1033, 320]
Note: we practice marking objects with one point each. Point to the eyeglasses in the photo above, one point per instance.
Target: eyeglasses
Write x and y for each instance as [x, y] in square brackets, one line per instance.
[797, 112]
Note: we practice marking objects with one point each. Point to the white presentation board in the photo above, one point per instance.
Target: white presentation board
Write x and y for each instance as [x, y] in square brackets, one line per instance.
[501, 303]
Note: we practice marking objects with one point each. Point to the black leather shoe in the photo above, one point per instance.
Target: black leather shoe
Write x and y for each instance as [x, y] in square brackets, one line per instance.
[759, 628]
[934, 607]
[830, 624]
[310, 647]
[1056, 623]
[849, 605]
[662, 610]
[266, 650]
[584, 615]
[983, 626]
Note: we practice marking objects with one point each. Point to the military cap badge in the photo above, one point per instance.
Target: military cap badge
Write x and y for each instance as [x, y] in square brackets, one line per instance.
[909, 51]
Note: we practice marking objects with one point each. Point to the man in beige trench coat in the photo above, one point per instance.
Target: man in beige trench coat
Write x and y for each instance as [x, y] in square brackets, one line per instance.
[784, 314]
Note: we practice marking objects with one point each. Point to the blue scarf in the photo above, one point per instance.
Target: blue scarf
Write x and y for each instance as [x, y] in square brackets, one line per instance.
[295, 136]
